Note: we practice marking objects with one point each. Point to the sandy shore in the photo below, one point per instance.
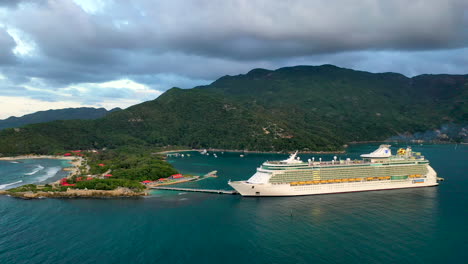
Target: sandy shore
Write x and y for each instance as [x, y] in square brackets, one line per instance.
[74, 161]
[176, 151]
[37, 157]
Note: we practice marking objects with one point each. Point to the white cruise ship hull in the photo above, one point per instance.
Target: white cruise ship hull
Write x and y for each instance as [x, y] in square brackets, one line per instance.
[268, 189]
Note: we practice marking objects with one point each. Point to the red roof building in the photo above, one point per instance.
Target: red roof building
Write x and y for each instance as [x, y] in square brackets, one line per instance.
[176, 176]
[64, 182]
[145, 182]
[67, 154]
[108, 175]
[101, 164]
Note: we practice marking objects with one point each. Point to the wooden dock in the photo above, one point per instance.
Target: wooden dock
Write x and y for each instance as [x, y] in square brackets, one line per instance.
[194, 190]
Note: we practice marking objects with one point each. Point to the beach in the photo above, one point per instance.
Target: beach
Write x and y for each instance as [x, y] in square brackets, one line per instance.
[74, 161]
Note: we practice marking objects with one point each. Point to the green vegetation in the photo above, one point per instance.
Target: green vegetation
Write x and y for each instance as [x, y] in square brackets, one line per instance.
[24, 188]
[304, 108]
[35, 188]
[109, 184]
[128, 168]
[130, 165]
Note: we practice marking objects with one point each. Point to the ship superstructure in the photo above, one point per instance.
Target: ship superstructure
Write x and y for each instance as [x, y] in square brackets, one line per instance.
[378, 170]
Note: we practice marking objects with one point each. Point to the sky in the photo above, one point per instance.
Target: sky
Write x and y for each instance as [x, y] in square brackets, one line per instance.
[116, 53]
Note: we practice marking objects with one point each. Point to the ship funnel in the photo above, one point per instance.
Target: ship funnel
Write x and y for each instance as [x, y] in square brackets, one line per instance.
[383, 151]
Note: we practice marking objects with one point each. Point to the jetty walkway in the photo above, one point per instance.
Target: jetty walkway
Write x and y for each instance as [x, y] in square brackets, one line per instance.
[194, 190]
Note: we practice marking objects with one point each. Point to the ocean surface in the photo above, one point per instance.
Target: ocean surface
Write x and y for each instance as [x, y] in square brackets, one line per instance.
[21, 172]
[421, 225]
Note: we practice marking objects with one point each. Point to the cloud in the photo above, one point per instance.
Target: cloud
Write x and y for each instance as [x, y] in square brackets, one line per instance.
[7, 44]
[65, 50]
[246, 30]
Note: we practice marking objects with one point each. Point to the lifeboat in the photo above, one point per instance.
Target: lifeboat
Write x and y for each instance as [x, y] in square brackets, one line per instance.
[309, 182]
[316, 182]
[338, 180]
[358, 179]
[370, 178]
[351, 179]
[302, 183]
[344, 180]
[330, 181]
[388, 177]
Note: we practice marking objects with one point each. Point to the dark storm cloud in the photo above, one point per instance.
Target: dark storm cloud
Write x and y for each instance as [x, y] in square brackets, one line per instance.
[7, 44]
[186, 43]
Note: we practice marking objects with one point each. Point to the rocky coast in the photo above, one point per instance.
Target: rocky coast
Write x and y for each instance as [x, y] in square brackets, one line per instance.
[75, 193]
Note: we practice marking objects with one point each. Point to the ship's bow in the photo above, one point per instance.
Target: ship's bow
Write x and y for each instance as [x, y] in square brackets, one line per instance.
[243, 188]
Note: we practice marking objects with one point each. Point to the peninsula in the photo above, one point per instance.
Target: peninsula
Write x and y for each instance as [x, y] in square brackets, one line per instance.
[104, 173]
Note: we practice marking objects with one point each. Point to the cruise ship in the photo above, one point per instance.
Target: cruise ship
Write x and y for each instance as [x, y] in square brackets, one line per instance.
[379, 170]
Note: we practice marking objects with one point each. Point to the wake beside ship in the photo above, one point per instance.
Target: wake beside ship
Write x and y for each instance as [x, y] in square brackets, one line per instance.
[379, 170]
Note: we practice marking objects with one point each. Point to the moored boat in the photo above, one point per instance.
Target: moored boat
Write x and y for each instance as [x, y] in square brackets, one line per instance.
[379, 170]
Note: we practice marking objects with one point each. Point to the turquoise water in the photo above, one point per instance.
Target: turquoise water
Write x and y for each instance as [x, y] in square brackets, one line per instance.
[20, 172]
[423, 225]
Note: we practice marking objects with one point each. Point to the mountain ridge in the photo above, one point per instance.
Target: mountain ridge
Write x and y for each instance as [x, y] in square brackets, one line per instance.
[308, 108]
[55, 114]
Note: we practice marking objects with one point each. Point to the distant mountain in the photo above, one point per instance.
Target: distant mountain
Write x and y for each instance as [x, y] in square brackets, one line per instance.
[52, 115]
[302, 107]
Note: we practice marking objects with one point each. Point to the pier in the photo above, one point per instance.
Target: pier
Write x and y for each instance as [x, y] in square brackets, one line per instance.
[194, 190]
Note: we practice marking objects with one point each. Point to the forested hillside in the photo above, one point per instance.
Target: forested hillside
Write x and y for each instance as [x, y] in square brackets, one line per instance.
[302, 107]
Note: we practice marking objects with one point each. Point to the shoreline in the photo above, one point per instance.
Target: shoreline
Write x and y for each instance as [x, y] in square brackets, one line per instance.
[308, 152]
[73, 169]
[37, 157]
[194, 178]
[251, 151]
[77, 193]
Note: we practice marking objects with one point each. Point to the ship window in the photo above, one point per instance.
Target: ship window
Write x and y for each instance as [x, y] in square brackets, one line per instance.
[253, 187]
